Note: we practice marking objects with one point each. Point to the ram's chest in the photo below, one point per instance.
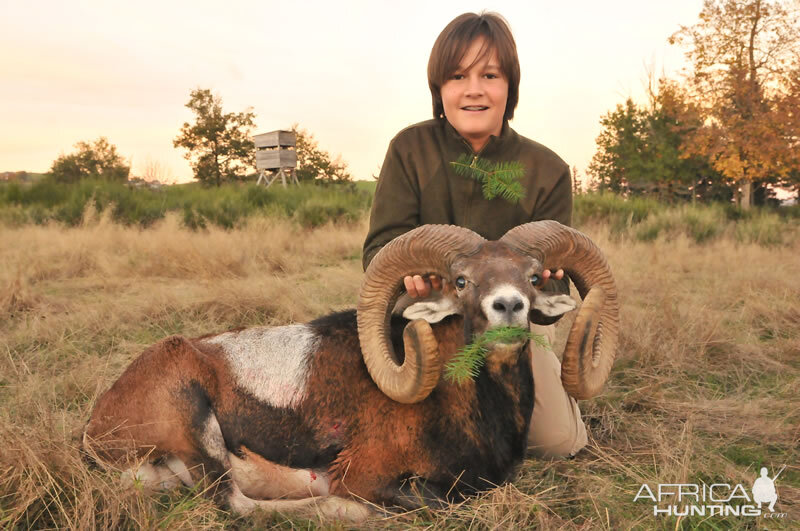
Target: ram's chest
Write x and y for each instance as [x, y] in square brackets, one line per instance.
[270, 363]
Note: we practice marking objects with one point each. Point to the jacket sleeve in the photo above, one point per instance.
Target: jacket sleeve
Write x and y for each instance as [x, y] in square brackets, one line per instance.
[557, 206]
[396, 205]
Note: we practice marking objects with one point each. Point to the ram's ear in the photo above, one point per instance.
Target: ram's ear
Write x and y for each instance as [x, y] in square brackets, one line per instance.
[433, 308]
[548, 308]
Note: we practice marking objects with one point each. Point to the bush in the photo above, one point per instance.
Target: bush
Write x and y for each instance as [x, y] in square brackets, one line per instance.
[192, 220]
[311, 205]
[790, 212]
[319, 210]
[71, 211]
[647, 220]
[10, 193]
[13, 216]
[764, 228]
[98, 160]
[228, 206]
[46, 193]
[620, 213]
[703, 223]
[700, 223]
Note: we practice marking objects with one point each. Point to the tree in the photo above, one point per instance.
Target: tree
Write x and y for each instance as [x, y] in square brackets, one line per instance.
[155, 171]
[639, 149]
[788, 107]
[99, 161]
[577, 182]
[315, 164]
[218, 144]
[741, 52]
[614, 163]
[674, 118]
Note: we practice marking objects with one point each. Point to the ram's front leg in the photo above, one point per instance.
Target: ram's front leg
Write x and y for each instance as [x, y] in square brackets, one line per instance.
[326, 507]
[389, 477]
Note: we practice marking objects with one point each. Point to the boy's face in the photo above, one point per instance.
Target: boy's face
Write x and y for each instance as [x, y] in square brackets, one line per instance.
[474, 98]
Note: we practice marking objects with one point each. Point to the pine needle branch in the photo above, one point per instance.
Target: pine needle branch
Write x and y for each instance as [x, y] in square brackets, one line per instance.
[501, 179]
[467, 362]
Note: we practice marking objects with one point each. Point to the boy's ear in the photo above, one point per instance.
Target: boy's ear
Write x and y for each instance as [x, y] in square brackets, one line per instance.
[547, 308]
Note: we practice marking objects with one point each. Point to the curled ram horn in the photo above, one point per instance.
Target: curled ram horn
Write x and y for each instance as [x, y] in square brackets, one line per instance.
[426, 249]
[592, 341]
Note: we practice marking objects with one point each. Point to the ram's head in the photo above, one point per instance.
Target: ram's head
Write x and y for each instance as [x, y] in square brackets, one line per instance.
[495, 284]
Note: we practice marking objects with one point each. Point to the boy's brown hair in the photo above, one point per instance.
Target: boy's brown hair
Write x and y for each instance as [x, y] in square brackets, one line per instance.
[452, 44]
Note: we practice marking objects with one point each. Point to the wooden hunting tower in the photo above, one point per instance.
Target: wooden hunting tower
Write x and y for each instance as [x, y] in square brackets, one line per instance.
[276, 156]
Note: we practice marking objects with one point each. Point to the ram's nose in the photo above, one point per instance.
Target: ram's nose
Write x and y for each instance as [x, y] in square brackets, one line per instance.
[505, 309]
[508, 305]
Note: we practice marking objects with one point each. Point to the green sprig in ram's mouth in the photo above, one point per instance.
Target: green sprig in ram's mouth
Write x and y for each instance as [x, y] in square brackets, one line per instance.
[467, 362]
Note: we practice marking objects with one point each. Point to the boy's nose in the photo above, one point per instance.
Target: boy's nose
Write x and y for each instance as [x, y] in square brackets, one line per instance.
[474, 85]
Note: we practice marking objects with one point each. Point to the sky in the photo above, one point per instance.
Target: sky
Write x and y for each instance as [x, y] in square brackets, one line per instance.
[352, 73]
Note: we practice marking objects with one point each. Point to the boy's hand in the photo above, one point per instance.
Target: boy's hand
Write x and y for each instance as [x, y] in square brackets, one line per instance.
[418, 287]
[546, 274]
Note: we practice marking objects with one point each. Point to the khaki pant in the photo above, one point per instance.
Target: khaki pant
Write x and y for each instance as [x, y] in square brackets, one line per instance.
[556, 426]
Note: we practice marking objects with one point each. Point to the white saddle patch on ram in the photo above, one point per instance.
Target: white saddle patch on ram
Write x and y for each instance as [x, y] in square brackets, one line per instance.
[432, 309]
[553, 305]
[270, 362]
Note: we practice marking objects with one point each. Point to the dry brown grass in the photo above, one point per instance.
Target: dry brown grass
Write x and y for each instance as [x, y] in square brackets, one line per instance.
[705, 387]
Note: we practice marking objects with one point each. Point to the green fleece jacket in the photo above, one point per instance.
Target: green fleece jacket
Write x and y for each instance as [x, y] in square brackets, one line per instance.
[417, 186]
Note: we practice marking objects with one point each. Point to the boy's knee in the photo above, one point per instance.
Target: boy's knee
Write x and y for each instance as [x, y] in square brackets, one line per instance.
[565, 448]
[562, 437]
[556, 429]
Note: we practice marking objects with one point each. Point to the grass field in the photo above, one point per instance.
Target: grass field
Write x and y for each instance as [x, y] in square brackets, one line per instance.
[704, 389]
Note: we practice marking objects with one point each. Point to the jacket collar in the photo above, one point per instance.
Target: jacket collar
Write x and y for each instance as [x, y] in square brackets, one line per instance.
[494, 144]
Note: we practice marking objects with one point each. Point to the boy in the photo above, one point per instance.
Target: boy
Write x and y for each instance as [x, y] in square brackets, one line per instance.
[473, 75]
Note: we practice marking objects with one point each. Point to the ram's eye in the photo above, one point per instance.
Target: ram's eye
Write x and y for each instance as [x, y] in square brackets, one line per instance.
[536, 279]
[461, 283]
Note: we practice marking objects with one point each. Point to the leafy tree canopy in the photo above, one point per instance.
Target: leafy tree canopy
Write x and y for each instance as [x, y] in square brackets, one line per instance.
[98, 160]
[315, 164]
[730, 127]
[639, 150]
[743, 54]
[218, 145]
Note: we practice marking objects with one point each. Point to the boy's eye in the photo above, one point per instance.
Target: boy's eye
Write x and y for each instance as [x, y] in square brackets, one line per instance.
[457, 76]
[491, 76]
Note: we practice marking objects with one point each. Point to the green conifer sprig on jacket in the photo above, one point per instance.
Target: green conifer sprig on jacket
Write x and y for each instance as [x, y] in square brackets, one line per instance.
[468, 361]
[499, 179]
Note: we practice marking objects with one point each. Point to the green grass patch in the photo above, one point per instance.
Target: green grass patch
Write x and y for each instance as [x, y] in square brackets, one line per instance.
[227, 206]
[370, 186]
[312, 205]
[620, 213]
[699, 223]
[647, 220]
[764, 228]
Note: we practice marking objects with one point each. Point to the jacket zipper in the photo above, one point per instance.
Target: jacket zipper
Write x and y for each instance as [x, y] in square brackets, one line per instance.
[475, 157]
